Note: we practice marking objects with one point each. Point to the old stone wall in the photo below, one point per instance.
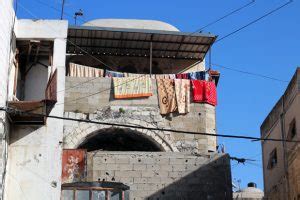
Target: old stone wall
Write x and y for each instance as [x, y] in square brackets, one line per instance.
[6, 43]
[283, 181]
[164, 175]
[94, 96]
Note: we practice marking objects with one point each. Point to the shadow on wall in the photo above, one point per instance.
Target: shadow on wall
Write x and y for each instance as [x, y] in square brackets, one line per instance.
[209, 182]
[19, 132]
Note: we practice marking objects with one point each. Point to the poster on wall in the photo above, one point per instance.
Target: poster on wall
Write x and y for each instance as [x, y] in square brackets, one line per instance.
[74, 165]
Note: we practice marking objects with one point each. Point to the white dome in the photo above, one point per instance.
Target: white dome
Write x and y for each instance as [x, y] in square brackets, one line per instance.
[132, 24]
[249, 192]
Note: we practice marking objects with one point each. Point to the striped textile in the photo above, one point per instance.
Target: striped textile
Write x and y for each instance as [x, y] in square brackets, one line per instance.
[76, 70]
[131, 87]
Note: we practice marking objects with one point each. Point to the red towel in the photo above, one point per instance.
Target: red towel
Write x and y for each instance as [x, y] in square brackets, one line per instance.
[210, 93]
[204, 92]
[198, 90]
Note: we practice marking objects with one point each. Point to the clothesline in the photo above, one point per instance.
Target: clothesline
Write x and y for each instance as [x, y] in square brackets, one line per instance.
[77, 70]
[174, 90]
[173, 94]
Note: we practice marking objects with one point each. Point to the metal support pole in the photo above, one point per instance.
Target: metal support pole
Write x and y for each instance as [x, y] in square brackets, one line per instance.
[209, 61]
[150, 64]
[62, 9]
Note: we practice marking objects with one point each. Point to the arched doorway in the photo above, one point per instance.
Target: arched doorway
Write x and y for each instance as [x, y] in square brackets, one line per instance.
[117, 139]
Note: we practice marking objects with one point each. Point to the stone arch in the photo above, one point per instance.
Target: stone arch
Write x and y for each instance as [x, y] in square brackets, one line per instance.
[76, 136]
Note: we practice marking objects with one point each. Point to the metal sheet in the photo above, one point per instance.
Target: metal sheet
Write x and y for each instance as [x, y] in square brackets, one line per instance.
[136, 42]
[74, 165]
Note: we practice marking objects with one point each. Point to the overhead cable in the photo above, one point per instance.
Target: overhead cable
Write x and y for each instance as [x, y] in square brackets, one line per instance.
[87, 53]
[223, 17]
[15, 111]
[249, 73]
[254, 21]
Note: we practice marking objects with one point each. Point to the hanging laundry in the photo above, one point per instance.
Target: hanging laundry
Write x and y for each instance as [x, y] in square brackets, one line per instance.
[166, 96]
[210, 93]
[204, 92]
[162, 76]
[214, 76]
[76, 70]
[198, 90]
[132, 87]
[172, 76]
[109, 73]
[182, 90]
[200, 75]
[182, 76]
[137, 75]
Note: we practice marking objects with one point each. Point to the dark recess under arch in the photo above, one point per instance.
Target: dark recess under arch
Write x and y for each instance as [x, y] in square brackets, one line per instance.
[116, 139]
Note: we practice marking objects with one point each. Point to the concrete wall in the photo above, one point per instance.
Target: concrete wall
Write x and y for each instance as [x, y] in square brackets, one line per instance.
[6, 27]
[200, 119]
[279, 184]
[164, 175]
[34, 163]
[36, 81]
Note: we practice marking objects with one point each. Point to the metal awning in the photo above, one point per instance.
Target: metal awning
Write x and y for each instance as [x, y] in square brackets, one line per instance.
[137, 42]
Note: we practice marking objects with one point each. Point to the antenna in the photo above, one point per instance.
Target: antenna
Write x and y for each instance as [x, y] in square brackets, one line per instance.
[79, 13]
[62, 9]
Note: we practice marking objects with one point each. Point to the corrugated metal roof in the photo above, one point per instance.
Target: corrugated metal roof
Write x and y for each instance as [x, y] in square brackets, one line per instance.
[136, 42]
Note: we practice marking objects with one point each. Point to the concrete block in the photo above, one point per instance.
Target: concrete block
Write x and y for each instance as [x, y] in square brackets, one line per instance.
[140, 180]
[176, 174]
[168, 168]
[176, 168]
[153, 167]
[120, 160]
[154, 180]
[139, 167]
[148, 173]
[113, 167]
[126, 167]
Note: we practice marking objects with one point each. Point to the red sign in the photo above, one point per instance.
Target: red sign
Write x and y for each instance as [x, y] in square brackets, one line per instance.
[73, 165]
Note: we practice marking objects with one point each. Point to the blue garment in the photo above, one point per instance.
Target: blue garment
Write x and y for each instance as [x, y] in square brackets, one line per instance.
[197, 75]
[109, 73]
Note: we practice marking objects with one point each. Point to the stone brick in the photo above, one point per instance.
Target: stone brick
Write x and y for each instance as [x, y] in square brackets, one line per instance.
[153, 167]
[126, 167]
[139, 167]
[140, 180]
[148, 173]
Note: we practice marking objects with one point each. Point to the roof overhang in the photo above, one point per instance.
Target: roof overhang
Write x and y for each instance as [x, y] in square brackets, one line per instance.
[136, 42]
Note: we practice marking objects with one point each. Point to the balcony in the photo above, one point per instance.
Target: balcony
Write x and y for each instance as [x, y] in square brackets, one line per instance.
[34, 88]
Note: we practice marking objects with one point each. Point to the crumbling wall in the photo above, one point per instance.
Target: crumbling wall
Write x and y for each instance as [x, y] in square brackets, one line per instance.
[164, 175]
[93, 98]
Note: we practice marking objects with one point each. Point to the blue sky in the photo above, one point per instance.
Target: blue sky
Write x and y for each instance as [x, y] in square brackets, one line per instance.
[269, 47]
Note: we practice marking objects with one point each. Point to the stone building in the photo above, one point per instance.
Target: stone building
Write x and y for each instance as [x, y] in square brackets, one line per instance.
[147, 163]
[281, 160]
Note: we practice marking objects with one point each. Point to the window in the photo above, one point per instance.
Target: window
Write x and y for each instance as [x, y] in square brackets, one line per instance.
[272, 159]
[292, 130]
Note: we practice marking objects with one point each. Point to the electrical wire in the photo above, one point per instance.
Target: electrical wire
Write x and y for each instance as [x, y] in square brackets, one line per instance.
[87, 53]
[223, 17]
[101, 91]
[254, 21]
[29, 12]
[249, 73]
[15, 111]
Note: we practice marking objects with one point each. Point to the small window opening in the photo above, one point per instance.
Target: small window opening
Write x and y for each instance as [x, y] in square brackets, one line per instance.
[272, 159]
[292, 130]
